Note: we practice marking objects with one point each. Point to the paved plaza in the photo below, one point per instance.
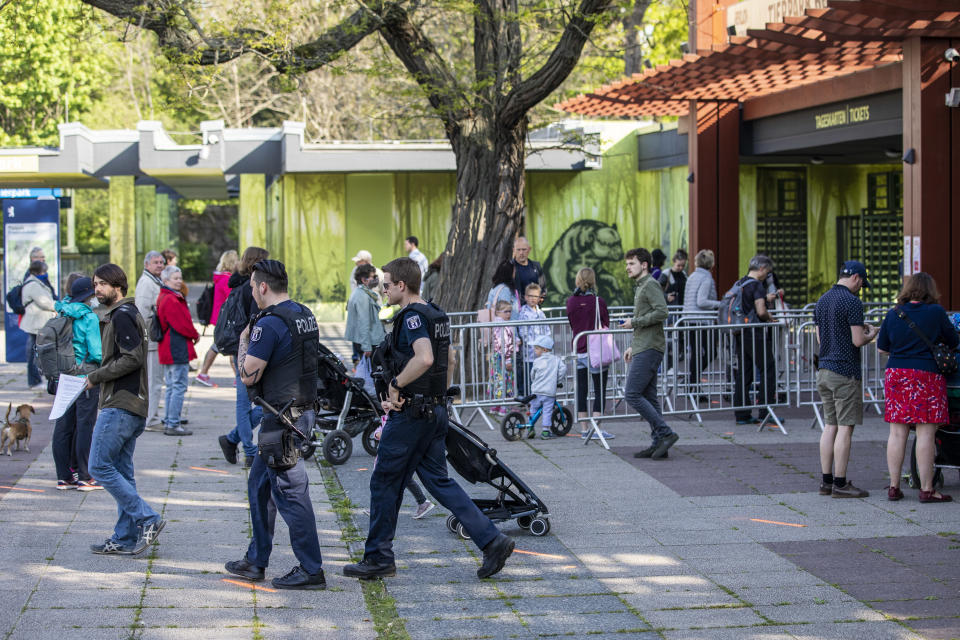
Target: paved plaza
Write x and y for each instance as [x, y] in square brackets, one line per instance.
[726, 539]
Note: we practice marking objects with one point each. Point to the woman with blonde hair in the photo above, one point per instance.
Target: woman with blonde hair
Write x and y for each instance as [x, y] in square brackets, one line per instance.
[914, 389]
[221, 289]
[583, 307]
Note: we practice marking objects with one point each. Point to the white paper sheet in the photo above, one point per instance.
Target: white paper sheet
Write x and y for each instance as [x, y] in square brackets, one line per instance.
[69, 389]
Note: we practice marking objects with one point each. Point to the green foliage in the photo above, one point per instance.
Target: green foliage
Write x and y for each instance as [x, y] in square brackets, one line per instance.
[92, 207]
[51, 69]
[665, 26]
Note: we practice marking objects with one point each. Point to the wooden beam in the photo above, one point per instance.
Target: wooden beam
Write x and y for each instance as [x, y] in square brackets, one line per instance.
[847, 87]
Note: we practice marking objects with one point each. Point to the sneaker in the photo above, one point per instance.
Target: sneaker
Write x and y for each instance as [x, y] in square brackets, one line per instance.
[63, 485]
[894, 494]
[749, 420]
[424, 509]
[546, 434]
[589, 434]
[88, 485]
[229, 449]
[177, 431]
[367, 569]
[149, 534]
[297, 578]
[531, 433]
[495, 555]
[75, 476]
[666, 443]
[111, 547]
[826, 488]
[646, 453]
[244, 569]
[154, 425]
[204, 379]
[848, 491]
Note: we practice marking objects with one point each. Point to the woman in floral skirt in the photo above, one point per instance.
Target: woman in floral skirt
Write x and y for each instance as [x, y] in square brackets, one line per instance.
[916, 393]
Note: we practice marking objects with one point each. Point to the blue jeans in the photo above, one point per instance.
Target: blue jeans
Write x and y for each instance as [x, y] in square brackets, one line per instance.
[111, 464]
[288, 492]
[248, 417]
[641, 392]
[175, 376]
[409, 445]
[33, 368]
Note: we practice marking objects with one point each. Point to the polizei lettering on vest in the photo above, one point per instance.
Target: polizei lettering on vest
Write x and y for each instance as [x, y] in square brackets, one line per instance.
[441, 330]
[306, 325]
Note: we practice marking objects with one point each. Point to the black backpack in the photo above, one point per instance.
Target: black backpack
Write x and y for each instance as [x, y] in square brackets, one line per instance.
[230, 323]
[205, 305]
[15, 300]
[156, 329]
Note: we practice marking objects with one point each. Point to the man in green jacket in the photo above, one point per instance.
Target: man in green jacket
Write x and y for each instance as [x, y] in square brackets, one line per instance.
[123, 411]
[646, 353]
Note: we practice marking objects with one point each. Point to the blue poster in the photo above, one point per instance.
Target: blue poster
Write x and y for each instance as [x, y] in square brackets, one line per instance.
[27, 223]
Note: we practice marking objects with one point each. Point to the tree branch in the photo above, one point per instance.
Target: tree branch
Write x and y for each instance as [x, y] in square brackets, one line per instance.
[419, 55]
[180, 35]
[558, 66]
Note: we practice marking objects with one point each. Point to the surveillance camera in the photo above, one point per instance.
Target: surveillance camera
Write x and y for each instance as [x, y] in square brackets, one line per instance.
[213, 138]
[952, 55]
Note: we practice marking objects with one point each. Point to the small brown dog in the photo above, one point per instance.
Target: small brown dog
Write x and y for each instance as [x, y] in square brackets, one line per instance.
[20, 429]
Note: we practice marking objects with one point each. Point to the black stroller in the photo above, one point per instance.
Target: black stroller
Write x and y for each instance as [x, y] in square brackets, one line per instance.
[476, 462]
[344, 410]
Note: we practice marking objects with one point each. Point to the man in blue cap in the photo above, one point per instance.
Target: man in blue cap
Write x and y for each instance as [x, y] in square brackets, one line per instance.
[841, 331]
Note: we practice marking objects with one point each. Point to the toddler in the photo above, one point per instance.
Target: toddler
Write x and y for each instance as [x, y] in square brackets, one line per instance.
[547, 374]
[529, 311]
[502, 357]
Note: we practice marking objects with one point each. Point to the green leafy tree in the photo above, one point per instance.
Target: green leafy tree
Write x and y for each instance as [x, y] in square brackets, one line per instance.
[51, 66]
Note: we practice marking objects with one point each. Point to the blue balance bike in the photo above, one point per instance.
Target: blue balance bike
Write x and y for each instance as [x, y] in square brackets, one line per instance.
[515, 422]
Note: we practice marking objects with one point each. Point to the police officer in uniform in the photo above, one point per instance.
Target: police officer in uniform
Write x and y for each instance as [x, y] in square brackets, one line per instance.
[277, 360]
[414, 438]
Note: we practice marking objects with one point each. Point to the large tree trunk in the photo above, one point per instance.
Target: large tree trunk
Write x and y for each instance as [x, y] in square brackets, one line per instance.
[487, 213]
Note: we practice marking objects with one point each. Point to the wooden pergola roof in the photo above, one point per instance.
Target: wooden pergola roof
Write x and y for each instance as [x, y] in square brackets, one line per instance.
[846, 37]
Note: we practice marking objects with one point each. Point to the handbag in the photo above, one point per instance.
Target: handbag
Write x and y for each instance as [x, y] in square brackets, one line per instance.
[365, 371]
[601, 347]
[943, 356]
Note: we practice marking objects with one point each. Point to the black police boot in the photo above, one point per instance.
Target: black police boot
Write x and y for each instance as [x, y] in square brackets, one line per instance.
[244, 569]
[229, 449]
[495, 555]
[300, 579]
[367, 569]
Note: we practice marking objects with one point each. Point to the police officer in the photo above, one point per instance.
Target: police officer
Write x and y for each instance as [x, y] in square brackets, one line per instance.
[414, 438]
[277, 361]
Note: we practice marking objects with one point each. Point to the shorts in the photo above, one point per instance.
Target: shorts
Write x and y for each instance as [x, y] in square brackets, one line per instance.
[842, 398]
[913, 396]
[213, 347]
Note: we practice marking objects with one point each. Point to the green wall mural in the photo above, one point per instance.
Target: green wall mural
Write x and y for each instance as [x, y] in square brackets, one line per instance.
[585, 243]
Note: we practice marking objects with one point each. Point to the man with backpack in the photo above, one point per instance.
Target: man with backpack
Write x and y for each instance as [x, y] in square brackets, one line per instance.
[70, 344]
[746, 303]
[148, 289]
[646, 352]
[233, 318]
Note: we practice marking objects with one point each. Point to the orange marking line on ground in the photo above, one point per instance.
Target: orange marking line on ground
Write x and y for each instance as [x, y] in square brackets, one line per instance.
[211, 470]
[363, 469]
[249, 585]
[786, 524]
[3, 486]
[728, 433]
[536, 553]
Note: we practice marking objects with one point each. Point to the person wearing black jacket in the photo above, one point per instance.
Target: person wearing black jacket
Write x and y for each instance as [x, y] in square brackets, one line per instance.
[248, 415]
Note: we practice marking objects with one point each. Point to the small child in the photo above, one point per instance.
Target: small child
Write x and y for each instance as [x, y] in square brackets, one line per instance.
[502, 357]
[547, 374]
[529, 311]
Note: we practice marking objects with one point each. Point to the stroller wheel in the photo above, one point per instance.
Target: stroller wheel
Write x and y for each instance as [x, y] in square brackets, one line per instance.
[307, 450]
[540, 526]
[337, 447]
[513, 425]
[524, 522]
[462, 532]
[371, 444]
[452, 523]
[561, 422]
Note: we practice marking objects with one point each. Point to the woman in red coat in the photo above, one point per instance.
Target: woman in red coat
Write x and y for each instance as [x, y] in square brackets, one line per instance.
[176, 349]
[221, 289]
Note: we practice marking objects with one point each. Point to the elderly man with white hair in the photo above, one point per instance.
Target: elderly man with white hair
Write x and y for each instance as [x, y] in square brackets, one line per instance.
[176, 349]
[148, 289]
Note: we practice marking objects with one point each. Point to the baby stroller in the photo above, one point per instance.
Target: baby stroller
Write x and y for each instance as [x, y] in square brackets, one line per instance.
[476, 462]
[947, 440]
[344, 410]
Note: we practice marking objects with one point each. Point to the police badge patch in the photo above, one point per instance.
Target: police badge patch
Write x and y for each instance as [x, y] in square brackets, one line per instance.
[413, 322]
[256, 334]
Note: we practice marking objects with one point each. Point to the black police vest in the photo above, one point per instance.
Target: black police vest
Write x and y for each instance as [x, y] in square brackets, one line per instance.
[434, 382]
[295, 376]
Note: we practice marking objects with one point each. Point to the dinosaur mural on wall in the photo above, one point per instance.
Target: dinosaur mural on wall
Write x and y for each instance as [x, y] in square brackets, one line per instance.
[585, 243]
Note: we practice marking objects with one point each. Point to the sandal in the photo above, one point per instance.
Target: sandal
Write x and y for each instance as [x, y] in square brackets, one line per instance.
[931, 496]
[894, 494]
